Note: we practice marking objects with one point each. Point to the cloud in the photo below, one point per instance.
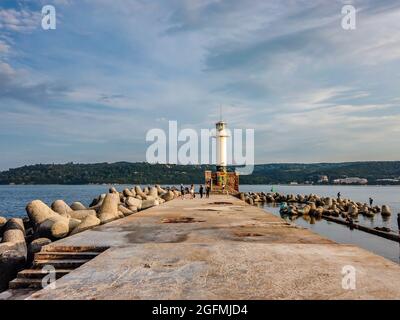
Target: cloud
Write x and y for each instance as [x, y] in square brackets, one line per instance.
[114, 69]
[4, 47]
[24, 21]
[17, 85]
[374, 41]
[6, 71]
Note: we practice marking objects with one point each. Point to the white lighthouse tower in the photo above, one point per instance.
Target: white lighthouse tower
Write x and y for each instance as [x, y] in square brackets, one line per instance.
[221, 137]
[222, 181]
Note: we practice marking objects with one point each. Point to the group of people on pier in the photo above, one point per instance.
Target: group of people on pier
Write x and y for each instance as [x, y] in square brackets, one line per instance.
[190, 193]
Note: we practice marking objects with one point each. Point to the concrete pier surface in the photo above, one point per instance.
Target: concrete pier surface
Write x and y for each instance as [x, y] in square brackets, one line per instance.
[218, 248]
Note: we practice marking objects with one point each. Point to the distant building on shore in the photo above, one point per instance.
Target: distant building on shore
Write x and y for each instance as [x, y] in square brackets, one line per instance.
[323, 179]
[353, 180]
[389, 180]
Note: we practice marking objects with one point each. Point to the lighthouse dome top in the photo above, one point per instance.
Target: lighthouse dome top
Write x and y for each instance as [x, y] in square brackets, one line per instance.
[220, 125]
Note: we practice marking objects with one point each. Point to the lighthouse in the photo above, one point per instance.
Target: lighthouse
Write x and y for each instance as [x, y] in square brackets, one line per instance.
[222, 181]
[221, 137]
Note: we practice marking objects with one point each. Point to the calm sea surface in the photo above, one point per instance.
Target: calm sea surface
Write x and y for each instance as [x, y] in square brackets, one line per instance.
[389, 195]
[13, 200]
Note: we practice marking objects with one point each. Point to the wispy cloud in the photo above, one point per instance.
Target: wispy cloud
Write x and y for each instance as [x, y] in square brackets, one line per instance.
[12, 20]
[4, 47]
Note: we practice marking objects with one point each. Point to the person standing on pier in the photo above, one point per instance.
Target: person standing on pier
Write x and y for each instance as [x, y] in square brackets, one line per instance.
[208, 189]
[201, 191]
[192, 194]
[338, 195]
[182, 192]
[371, 201]
[187, 191]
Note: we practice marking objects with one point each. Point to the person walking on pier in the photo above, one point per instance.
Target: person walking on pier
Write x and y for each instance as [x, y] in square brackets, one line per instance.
[371, 201]
[201, 191]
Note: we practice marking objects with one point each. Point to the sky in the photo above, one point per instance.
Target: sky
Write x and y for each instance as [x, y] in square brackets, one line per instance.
[90, 90]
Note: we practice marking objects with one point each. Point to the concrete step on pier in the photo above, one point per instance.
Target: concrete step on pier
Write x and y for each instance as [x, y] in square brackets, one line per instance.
[61, 264]
[23, 283]
[47, 255]
[39, 274]
[71, 249]
[63, 259]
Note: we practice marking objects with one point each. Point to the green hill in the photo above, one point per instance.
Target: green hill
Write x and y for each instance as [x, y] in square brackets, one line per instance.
[144, 173]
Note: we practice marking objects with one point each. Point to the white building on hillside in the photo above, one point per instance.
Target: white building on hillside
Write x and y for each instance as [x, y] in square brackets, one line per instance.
[353, 180]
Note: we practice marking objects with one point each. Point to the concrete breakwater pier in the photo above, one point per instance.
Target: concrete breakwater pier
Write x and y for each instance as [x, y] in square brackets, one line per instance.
[216, 248]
